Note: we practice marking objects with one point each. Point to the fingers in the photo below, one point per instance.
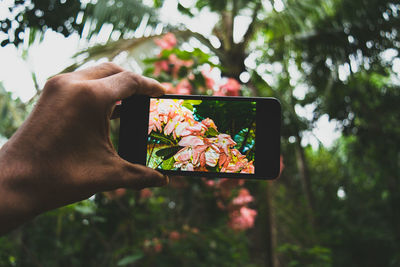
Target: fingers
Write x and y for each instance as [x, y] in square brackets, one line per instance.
[137, 177]
[99, 71]
[126, 83]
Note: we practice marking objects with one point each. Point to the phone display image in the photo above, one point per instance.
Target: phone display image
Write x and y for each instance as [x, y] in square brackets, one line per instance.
[201, 135]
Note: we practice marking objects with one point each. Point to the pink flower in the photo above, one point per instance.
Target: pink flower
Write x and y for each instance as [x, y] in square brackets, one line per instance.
[157, 245]
[191, 141]
[224, 161]
[230, 88]
[226, 185]
[145, 193]
[154, 123]
[117, 193]
[183, 155]
[180, 128]
[199, 158]
[170, 89]
[219, 93]
[178, 63]
[243, 198]
[249, 168]
[208, 79]
[208, 182]
[225, 141]
[209, 123]
[242, 219]
[187, 129]
[172, 123]
[211, 156]
[168, 41]
[236, 167]
[160, 66]
[174, 236]
[184, 87]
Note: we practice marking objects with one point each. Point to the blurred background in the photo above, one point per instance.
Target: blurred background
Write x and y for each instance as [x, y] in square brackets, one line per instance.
[333, 64]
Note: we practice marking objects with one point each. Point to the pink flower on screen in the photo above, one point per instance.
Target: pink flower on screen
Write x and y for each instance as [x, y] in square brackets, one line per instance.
[171, 125]
[225, 141]
[154, 123]
[236, 166]
[186, 128]
[168, 41]
[211, 156]
[209, 123]
[243, 198]
[242, 219]
[191, 140]
[183, 155]
[249, 168]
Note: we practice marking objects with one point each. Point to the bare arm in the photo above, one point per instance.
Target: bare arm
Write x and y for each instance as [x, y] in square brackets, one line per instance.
[62, 153]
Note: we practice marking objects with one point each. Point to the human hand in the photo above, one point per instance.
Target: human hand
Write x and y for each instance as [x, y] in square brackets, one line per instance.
[63, 153]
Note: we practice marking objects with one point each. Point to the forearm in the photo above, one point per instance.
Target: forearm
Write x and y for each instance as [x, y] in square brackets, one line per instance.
[15, 206]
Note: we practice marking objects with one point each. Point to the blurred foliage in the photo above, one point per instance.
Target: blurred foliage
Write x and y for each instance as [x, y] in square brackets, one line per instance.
[334, 206]
[71, 16]
[12, 113]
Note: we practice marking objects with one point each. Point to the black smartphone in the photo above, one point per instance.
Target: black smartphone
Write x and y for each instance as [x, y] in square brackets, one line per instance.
[207, 136]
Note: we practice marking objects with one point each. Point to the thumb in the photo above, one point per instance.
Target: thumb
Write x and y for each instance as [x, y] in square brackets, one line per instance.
[137, 176]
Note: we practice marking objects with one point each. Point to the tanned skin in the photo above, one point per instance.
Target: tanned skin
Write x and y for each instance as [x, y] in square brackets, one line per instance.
[62, 153]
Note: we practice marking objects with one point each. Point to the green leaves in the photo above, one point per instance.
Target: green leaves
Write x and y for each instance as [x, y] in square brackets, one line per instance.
[162, 138]
[190, 103]
[211, 132]
[168, 164]
[130, 259]
[168, 152]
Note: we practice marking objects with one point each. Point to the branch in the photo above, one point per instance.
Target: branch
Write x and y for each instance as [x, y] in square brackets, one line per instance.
[112, 49]
[233, 15]
[251, 28]
[205, 41]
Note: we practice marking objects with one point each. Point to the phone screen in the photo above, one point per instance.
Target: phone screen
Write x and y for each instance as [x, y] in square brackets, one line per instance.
[206, 135]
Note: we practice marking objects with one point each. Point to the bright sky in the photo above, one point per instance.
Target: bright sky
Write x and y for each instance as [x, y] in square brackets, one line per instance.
[54, 54]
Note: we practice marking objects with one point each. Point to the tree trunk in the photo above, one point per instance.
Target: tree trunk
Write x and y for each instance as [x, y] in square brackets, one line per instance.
[273, 243]
[305, 179]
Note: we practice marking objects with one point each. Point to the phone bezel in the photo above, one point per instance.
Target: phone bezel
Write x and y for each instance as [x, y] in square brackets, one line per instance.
[133, 136]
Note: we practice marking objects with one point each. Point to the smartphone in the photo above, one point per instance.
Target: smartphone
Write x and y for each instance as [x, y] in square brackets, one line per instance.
[206, 136]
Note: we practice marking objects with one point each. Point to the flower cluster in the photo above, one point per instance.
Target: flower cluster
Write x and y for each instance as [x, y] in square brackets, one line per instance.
[170, 118]
[171, 64]
[242, 217]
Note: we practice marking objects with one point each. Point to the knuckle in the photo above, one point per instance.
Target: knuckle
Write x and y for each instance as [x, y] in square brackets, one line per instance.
[110, 66]
[55, 83]
[134, 78]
